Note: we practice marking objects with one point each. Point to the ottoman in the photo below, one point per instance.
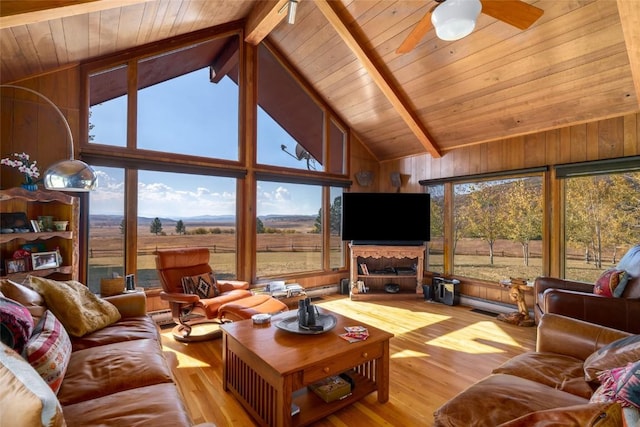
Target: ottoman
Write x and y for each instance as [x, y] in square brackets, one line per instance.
[246, 307]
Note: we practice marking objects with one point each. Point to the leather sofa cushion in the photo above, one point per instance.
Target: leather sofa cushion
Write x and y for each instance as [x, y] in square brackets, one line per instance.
[591, 414]
[126, 329]
[499, 398]
[26, 296]
[156, 405]
[561, 372]
[100, 371]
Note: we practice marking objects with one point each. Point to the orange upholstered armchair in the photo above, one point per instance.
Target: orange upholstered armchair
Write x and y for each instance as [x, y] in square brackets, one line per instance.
[190, 267]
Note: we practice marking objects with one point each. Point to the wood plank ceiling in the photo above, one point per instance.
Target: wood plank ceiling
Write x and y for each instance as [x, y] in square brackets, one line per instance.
[579, 62]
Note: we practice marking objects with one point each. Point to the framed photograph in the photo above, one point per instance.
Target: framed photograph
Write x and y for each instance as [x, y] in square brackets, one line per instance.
[15, 265]
[43, 260]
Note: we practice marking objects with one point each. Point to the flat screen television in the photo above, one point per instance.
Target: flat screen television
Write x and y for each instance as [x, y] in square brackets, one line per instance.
[386, 218]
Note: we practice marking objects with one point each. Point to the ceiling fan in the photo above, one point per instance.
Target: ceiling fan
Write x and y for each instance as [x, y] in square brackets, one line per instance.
[455, 19]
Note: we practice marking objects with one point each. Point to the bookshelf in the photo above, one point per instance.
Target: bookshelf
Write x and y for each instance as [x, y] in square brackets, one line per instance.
[378, 265]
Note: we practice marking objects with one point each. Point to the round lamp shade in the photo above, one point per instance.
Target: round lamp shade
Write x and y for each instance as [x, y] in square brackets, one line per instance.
[70, 175]
[455, 19]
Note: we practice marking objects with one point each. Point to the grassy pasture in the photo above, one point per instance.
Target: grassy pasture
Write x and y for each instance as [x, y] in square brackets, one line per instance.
[300, 251]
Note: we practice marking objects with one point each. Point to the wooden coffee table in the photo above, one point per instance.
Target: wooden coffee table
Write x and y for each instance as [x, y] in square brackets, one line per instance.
[267, 369]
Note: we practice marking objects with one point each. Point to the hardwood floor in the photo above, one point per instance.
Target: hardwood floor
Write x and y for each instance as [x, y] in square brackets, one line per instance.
[437, 352]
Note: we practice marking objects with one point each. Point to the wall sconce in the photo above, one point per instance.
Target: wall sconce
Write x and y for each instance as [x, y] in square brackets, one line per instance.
[364, 178]
[396, 180]
[66, 175]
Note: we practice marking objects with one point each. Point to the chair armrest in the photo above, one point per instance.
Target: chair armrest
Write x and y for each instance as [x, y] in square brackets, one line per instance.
[617, 313]
[573, 337]
[130, 304]
[543, 283]
[179, 298]
[230, 285]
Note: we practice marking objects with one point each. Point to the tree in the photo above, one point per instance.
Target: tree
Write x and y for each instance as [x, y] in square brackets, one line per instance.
[317, 224]
[602, 212]
[483, 213]
[156, 226]
[180, 228]
[259, 226]
[523, 213]
[122, 226]
[335, 216]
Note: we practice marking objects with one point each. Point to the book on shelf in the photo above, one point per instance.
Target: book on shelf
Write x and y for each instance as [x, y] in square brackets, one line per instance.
[364, 269]
[331, 388]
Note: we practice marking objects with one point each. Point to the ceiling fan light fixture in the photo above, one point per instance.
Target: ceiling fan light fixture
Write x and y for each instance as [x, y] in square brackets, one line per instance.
[455, 19]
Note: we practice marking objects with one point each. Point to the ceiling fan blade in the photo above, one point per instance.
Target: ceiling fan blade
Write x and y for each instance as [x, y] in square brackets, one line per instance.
[417, 33]
[517, 13]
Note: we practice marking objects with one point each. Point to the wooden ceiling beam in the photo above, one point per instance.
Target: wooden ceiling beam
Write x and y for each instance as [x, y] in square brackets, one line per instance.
[389, 90]
[20, 12]
[263, 18]
[630, 19]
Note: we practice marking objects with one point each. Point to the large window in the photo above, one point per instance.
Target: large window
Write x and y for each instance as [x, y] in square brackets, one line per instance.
[497, 228]
[164, 133]
[184, 210]
[435, 247]
[106, 227]
[289, 238]
[189, 114]
[602, 221]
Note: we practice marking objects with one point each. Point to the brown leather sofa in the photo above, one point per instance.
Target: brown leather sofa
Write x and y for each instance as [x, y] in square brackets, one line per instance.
[117, 375]
[539, 388]
[576, 299]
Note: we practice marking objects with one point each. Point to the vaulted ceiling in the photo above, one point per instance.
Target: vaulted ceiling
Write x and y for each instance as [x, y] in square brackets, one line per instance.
[579, 62]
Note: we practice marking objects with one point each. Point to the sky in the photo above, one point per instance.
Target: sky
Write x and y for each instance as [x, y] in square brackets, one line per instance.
[190, 115]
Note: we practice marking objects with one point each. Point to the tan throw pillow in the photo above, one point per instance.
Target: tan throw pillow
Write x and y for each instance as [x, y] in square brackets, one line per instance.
[613, 355]
[30, 402]
[77, 308]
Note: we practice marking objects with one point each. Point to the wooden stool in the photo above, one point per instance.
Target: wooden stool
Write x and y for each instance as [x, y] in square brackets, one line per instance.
[246, 307]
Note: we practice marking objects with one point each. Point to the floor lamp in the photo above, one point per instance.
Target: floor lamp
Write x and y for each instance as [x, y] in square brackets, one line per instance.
[66, 175]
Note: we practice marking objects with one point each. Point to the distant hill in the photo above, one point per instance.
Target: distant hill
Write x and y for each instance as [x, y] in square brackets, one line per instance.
[275, 221]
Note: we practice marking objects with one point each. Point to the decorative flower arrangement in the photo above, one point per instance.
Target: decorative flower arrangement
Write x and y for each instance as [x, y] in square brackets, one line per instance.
[25, 166]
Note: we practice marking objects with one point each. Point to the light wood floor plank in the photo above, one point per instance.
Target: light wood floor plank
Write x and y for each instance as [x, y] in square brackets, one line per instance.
[437, 352]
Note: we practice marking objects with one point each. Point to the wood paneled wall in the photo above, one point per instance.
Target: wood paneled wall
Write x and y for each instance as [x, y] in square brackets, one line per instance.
[604, 139]
[30, 125]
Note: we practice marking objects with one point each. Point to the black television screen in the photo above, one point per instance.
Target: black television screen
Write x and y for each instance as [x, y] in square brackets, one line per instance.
[386, 218]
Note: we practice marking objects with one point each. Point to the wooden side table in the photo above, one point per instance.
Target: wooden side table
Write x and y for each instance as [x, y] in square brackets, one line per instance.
[517, 289]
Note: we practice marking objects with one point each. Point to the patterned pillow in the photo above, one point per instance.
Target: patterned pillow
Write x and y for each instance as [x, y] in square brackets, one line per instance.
[31, 401]
[613, 355]
[203, 285]
[49, 350]
[620, 385]
[611, 283]
[16, 324]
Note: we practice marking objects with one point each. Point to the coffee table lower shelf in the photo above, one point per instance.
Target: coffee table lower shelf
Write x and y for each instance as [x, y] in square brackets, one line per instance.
[313, 408]
[267, 369]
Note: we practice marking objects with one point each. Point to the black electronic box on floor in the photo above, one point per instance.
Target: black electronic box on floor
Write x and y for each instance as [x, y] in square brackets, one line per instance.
[445, 291]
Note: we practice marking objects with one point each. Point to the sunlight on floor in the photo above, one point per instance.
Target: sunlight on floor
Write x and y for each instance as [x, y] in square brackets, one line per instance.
[482, 337]
[398, 320]
[404, 354]
[478, 338]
